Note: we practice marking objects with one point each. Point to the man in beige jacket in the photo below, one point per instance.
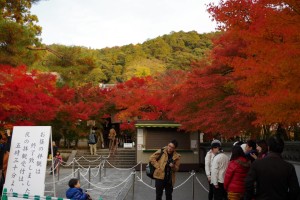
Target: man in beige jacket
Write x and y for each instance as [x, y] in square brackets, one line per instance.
[165, 169]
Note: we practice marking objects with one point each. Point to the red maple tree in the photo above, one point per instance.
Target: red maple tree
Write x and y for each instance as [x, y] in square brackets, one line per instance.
[266, 66]
[26, 98]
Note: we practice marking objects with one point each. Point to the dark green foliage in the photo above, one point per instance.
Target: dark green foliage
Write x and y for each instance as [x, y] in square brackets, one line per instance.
[14, 38]
[79, 65]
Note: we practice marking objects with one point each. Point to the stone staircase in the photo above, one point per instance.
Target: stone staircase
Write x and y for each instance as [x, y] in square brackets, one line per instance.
[123, 158]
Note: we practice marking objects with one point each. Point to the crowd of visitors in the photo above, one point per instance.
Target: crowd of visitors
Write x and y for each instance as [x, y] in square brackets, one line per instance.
[255, 170]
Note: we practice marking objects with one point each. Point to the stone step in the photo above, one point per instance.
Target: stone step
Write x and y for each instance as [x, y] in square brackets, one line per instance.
[107, 153]
[123, 158]
[79, 159]
[108, 166]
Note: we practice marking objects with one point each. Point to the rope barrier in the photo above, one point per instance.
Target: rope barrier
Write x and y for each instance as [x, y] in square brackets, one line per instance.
[108, 188]
[149, 186]
[201, 184]
[66, 165]
[125, 186]
[123, 168]
[87, 171]
[63, 178]
[79, 165]
[82, 157]
[51, 171]
[99, 168]
[192, 174]
[106, 157]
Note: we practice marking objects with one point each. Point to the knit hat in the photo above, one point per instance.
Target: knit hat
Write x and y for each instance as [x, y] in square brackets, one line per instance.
[243, 146]
[215, 143]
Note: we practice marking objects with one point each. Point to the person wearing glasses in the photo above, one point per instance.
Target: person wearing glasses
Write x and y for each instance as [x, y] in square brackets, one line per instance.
[165, 169]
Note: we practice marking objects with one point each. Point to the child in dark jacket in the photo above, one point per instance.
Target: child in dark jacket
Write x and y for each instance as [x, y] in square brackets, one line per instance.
[75, 192]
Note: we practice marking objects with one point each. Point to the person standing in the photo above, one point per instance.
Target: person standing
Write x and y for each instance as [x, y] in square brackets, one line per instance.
[50, 156]
[208, 158]
[234, 181]
[262, 149]
[93, 142]
[165, 169]
[271, 177]
[250, 150]
[218, 168]
[99, 134]
[112, 137]
[57, 161]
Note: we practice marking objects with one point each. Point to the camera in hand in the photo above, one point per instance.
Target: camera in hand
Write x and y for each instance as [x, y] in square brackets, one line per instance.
[170, 161]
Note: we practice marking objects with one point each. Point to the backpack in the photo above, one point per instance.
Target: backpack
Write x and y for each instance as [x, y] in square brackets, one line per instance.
[92, 139]
[150, 168]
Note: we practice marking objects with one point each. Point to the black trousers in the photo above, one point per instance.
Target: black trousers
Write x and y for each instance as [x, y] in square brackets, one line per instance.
[160, 185]
[211, 191]
[220, 193]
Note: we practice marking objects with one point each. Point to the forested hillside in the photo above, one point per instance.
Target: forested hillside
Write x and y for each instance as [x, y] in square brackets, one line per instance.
[78, 65]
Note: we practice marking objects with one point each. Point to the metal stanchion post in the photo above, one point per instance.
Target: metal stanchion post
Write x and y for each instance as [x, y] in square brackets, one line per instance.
[73, 167]
[141, 168]
[78, 174]
[100, 169]
[104, 168]
[193, 186]
[133, 183]
[89, 177]
[57, 169]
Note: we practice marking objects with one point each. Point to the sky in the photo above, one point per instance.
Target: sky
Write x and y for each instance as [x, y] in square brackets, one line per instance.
[107, 23]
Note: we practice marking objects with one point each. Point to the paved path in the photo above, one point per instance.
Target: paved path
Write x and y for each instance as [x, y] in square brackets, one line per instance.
[108, 187]
[114, 177]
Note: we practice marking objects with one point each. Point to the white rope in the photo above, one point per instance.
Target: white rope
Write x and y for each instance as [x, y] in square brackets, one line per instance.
[106, 157]
[108, 188]
[66, 165]
[56, 166]
[145, 183]
[192, 174]
[125, 186]
[99, 168]
[87, 171]
[96, 173]
[65, 162]
[123, 168]
[79, 164]
[201, 185]
[63, 178]
[82, 157]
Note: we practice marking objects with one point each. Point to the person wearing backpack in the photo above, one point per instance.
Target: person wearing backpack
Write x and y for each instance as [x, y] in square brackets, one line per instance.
[93, 142]
[165, 169]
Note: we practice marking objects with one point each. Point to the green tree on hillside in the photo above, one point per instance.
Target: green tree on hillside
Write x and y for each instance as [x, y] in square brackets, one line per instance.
[80, 65]
[18, 30]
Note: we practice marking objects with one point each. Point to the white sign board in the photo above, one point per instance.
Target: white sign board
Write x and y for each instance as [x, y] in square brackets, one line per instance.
[128, 145]
[140, 136]
[140, 132]
[28, 160]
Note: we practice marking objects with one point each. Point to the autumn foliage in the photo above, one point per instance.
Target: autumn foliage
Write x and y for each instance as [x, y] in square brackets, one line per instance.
[250, 78]
[26, 98]
[265, 35]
